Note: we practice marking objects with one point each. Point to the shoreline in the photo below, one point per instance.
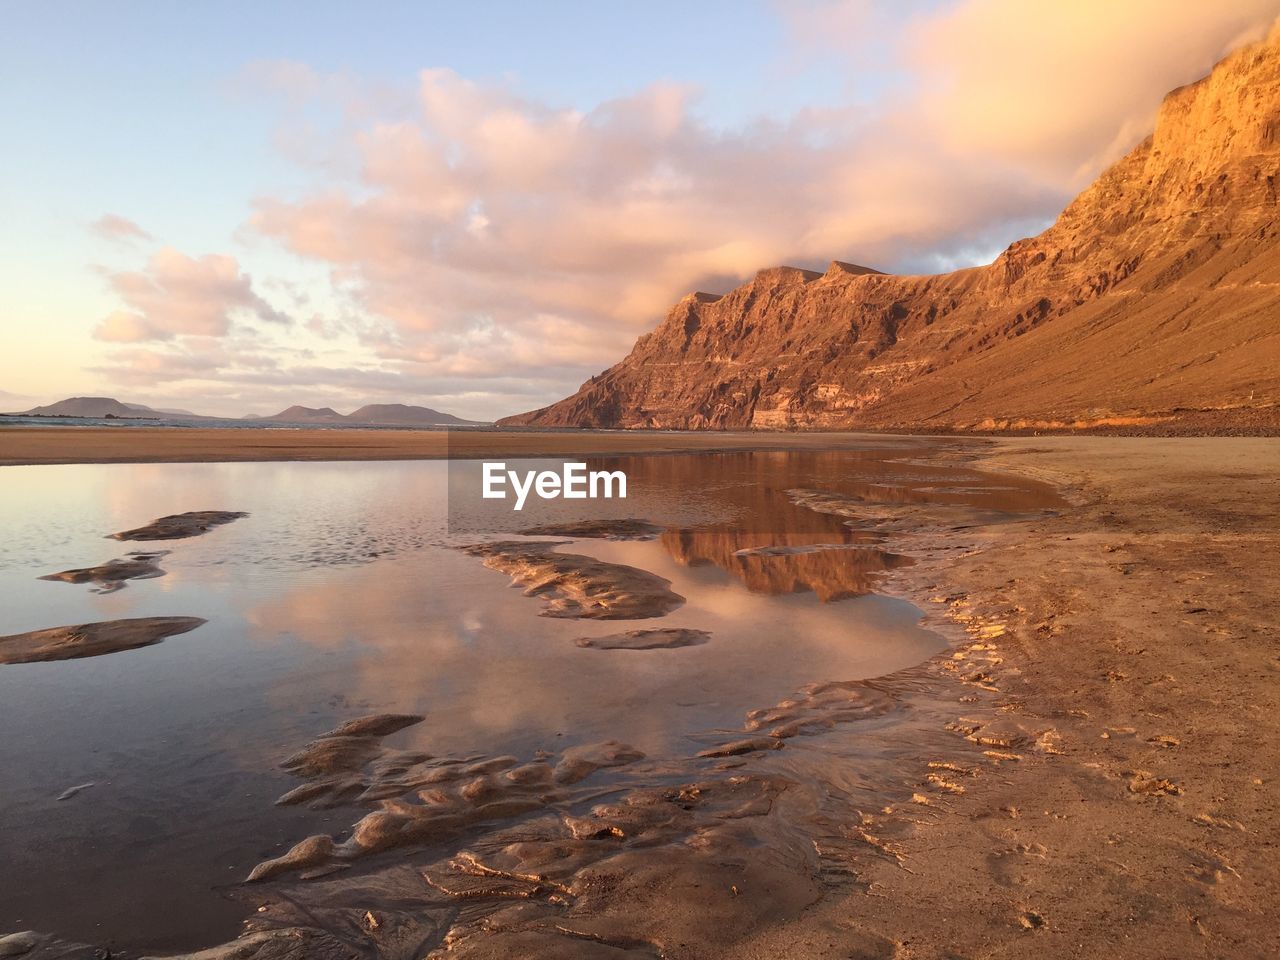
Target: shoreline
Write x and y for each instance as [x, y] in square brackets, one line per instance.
[48, 445]
[1124, 652]
[31, 446]
[1088, 769]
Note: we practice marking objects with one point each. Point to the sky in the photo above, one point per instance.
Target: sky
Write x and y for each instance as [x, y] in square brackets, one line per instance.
[235, 207]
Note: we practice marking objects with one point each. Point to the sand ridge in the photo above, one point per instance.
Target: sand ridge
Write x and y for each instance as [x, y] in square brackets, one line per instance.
[179, 526]
[91, 639]
[114, 574]
[576, 586]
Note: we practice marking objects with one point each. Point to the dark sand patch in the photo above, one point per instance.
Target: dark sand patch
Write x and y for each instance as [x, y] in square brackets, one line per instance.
[737, 748]
[629, 529]
[417, 798]
[628, 877]
[71, 792]
[697, 864]
[113, 575]
[178, 526]
[377, 725]
[91, 639]
[663, 638]
[820, 706]
[30, 945]
[700, 863]
[575, 586]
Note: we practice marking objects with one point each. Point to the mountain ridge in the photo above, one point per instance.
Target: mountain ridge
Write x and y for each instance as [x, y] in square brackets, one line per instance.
[371, 414]
[379, 414]
[1149, 299]
[102, 407]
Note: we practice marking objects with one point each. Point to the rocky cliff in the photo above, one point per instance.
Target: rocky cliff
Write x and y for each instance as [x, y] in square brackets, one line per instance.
[1154, 297]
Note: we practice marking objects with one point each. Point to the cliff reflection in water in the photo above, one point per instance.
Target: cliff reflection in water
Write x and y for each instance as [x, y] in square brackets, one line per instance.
[775, 546]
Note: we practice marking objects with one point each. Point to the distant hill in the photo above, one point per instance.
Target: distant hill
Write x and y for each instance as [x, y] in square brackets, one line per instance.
[371, 415]
[300, 414]
[403, 413]
[100, 407]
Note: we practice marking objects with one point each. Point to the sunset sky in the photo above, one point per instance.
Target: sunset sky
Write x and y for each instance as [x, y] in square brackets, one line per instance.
[236, 207]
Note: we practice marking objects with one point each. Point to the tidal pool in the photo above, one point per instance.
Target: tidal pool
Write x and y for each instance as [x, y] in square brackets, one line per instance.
[343, 594]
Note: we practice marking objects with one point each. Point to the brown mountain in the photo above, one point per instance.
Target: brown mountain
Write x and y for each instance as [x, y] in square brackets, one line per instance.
[403, 413]
[1154, 297]
[371, 414]
[300, 414]
[96, 407]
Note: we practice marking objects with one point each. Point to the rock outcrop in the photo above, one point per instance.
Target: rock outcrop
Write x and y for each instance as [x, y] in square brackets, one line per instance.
[1154, 297]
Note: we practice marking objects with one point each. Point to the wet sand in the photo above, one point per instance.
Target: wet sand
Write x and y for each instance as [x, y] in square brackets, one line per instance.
[1091, 770]
[1088, 771]
[578, 587]
[114, 574]
[91, 639]
[1118, 684]
[180, 526]
[662, 638]
[1128, 649]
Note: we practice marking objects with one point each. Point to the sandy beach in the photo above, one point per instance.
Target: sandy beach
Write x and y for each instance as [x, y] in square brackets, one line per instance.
[1090, 767]
[1127, 649]
[68, 444]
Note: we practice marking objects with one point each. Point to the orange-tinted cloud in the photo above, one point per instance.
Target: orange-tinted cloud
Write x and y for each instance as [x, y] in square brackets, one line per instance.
[181, 295]
[484, 246]
[1062, 89]
[494, 231]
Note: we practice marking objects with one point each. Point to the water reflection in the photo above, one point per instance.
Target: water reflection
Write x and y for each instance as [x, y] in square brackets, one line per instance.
[341, 595]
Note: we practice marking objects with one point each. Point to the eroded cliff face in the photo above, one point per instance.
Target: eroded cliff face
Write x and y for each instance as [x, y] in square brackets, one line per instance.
[1155, 295]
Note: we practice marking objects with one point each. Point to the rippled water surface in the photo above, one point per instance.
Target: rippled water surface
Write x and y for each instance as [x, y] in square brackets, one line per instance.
[343, 594]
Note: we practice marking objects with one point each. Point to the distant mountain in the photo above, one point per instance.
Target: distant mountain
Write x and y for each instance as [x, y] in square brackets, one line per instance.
[405, 414]
[93, 407]
[372, 414]
[167, 411]
[301, 414]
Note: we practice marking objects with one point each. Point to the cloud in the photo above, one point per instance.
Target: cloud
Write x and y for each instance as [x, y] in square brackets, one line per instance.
[1061, 89]
[7, 396]
[232, 377]
[180, 295]
[110, 226]
[465, 245]
[492, 232]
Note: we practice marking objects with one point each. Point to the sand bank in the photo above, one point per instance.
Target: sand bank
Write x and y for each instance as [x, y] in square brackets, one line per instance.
[1120, 680]
[180, 526]
[579, 587]
[31, 445]
[114, 574]
[91, 639]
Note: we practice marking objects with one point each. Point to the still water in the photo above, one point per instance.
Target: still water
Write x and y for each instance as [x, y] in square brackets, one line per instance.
[343, 594]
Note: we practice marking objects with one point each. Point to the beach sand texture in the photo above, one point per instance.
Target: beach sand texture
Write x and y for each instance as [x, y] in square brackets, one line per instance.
[1090, 769]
